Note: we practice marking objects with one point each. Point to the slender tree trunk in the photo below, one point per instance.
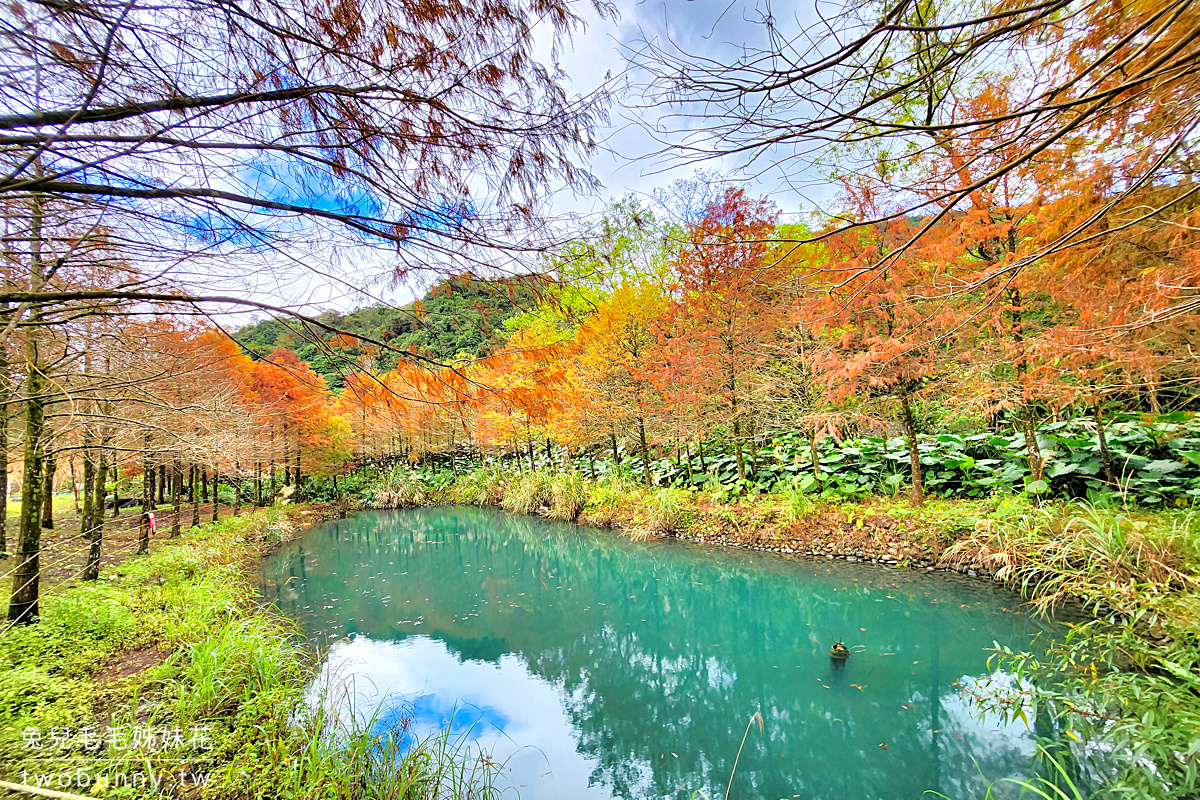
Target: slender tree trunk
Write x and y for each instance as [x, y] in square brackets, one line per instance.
[1106, 459]
[687, 451]
[195, 497]
[216, 494]
[914, 454]
[612, 437]
[737, 450]
[48, 492]
[116, 476]
[203, 484]
[176, 497]
[149, 472]
[258, 496]
[700, 455]
[286, 457]
[88, 515]
[96, 530]
[162, 483]
[237, 489]
[814, 456]
[645, 450]
[1031, 443]
[5, 399]
[74, 485]
[23, 605]
[147, 496]
[297, 476]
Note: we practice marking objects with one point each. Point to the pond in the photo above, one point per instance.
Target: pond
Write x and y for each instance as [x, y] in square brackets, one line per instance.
[601, 667]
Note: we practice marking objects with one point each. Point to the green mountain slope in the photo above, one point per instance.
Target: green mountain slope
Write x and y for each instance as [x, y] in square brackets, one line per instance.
[457, 317]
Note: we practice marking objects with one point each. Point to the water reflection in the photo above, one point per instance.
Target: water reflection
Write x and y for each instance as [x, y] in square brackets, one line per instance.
[608, 668]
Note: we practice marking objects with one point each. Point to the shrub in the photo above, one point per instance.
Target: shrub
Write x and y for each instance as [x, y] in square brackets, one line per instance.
[482, 487]
[1101, 554]
[400, 487]
[609, 499]
[568, 495]
[665, 510]
[528, 493]
[795, 502]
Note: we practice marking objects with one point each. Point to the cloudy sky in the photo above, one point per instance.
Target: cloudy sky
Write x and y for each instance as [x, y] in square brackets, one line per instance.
[631, 160]
[715, 30]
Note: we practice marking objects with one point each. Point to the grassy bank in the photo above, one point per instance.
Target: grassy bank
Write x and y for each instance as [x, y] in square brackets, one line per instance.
[168, 677]
[1126, 682]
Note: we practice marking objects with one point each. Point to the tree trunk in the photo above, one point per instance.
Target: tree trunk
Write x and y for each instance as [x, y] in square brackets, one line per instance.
[195, 497]
[5, 399]
[737, 450]
[914, 454]
[48, 492]
[176, 496]
[258, 496]
[687, 452]
[700, 455]
[74, 485]
[616, 453]
[96, 529]
[116, 476]
[1105, 456]
[1031, 443]
[162, 483]
[147, 496]
[814, 456]
[286, 457]
[645, 450]
[297, 476]
[23, 605]
[216, 495]
[237, 489]
[88, 515]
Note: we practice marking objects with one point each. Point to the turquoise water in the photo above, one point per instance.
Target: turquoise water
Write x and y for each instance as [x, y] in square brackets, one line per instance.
[601, 667]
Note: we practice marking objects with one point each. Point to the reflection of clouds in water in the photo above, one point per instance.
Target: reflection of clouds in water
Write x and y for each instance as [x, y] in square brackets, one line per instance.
[504, 710]
[631, 669]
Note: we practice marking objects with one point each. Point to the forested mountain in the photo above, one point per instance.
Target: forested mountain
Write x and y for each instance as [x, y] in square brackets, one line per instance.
[458, 317]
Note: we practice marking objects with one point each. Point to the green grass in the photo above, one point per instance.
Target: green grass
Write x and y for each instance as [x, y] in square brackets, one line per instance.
[230, 667]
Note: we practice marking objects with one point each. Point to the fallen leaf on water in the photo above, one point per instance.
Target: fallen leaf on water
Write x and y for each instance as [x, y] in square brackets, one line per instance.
[885, 747]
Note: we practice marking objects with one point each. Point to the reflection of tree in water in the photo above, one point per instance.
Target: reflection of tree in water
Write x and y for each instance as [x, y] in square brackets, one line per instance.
[663, 649]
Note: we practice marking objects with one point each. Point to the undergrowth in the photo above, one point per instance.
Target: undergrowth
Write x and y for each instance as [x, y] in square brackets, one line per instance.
[223, 665]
